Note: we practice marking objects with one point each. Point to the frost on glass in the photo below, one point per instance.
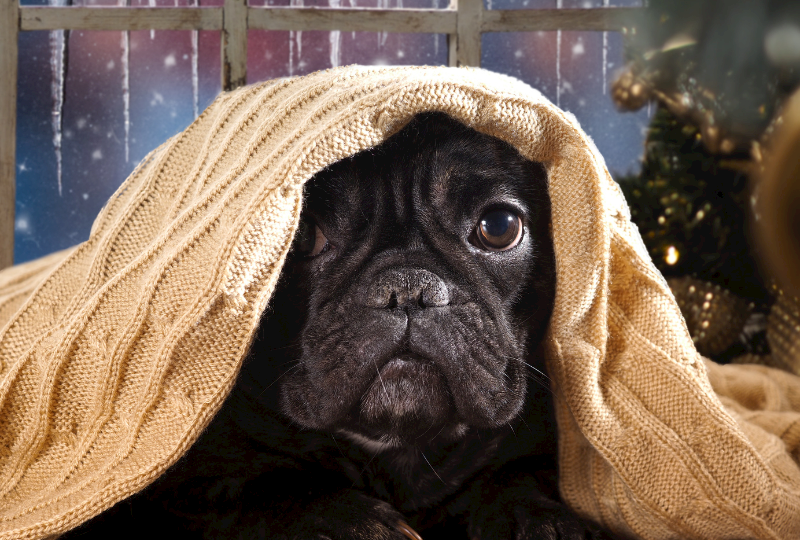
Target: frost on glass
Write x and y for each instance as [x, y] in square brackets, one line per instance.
[92, 104]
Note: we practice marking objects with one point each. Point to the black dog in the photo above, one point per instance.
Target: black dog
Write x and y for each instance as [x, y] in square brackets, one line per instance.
[389, 387]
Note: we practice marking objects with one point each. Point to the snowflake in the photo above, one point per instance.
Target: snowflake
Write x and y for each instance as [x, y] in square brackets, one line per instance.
[578, 49]
[22, 224]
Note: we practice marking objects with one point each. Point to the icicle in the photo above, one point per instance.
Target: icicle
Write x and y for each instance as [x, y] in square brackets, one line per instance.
[558, 61]
[195, 77]
[399, 6]
[57, 87]
[152, 3]
[353, 3]
[336, 48]
[126, 90]
[58, 66]
[125, 44]
[291, 52]
[435, 5]
[335, 38]
[298, 36]
[382, 4]
[605, 55]
[299, 40]
[558, 68]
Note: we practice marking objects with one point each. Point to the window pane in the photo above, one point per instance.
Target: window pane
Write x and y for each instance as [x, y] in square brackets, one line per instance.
[93, 144]
[163, 92]
[572, 76]
[272, 54]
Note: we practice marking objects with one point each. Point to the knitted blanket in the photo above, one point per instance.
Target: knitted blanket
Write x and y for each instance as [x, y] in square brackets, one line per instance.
[116, 354]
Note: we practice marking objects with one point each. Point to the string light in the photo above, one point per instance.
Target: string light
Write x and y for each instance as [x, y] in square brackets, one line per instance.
[672, 256]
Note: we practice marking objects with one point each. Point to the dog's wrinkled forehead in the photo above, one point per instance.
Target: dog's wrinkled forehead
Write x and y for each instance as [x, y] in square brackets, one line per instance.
[428, 166]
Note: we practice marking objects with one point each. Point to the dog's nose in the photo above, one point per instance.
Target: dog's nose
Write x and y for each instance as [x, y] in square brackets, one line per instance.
[407, 288]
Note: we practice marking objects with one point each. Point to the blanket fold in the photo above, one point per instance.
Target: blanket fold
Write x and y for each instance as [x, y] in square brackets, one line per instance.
[115, 355]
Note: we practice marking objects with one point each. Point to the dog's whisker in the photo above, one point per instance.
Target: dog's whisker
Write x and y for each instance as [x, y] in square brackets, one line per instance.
[537, 370]
[295, 341]
[538, 376]
[337, 445]
[292, 361]
[270, 385]
[374, 455]
[426, 431]
[438, 432]
[522, 418]
[386, 392]
[431, 466]
[541, 382]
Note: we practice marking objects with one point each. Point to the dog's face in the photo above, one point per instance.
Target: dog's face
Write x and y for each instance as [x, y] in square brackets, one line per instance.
[425, 272]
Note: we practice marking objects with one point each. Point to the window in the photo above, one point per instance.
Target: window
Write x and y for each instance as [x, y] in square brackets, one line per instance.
[120, 94]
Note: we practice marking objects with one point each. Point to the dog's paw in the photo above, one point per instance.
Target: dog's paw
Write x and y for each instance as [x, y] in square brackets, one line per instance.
[524, 522]
[347, 515]
[519, 502]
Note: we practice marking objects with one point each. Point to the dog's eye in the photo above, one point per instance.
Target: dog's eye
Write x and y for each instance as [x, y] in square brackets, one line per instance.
[498, 230]
[310, 241]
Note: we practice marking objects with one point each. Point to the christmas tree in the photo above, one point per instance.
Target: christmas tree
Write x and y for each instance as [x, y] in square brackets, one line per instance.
[719, 72]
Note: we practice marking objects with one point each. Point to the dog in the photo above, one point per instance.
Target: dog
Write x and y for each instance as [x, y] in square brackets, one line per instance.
[396, 387]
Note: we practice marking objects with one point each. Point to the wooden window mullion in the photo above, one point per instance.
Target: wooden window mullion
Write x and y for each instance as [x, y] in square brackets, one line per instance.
[468, 40]
[234, 44]
[9, 30]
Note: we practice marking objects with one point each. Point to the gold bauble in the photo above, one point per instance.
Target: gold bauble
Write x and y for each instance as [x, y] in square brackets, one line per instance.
[783, 332]
[714, 316]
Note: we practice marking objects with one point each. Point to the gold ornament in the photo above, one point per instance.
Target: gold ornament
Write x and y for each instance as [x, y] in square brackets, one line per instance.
[783, 332]
[715, 317]
[630, 92]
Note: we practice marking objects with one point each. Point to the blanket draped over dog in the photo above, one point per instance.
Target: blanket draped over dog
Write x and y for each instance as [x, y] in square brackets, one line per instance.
[116, 354]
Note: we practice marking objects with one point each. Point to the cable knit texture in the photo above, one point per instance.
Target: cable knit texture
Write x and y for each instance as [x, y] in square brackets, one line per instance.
[116, 354]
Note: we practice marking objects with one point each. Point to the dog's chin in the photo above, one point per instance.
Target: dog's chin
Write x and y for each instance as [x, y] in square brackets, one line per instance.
[407, 401]
[407, 404]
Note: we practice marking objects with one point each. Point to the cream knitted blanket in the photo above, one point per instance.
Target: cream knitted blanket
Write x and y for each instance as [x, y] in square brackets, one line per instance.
[116, 354]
